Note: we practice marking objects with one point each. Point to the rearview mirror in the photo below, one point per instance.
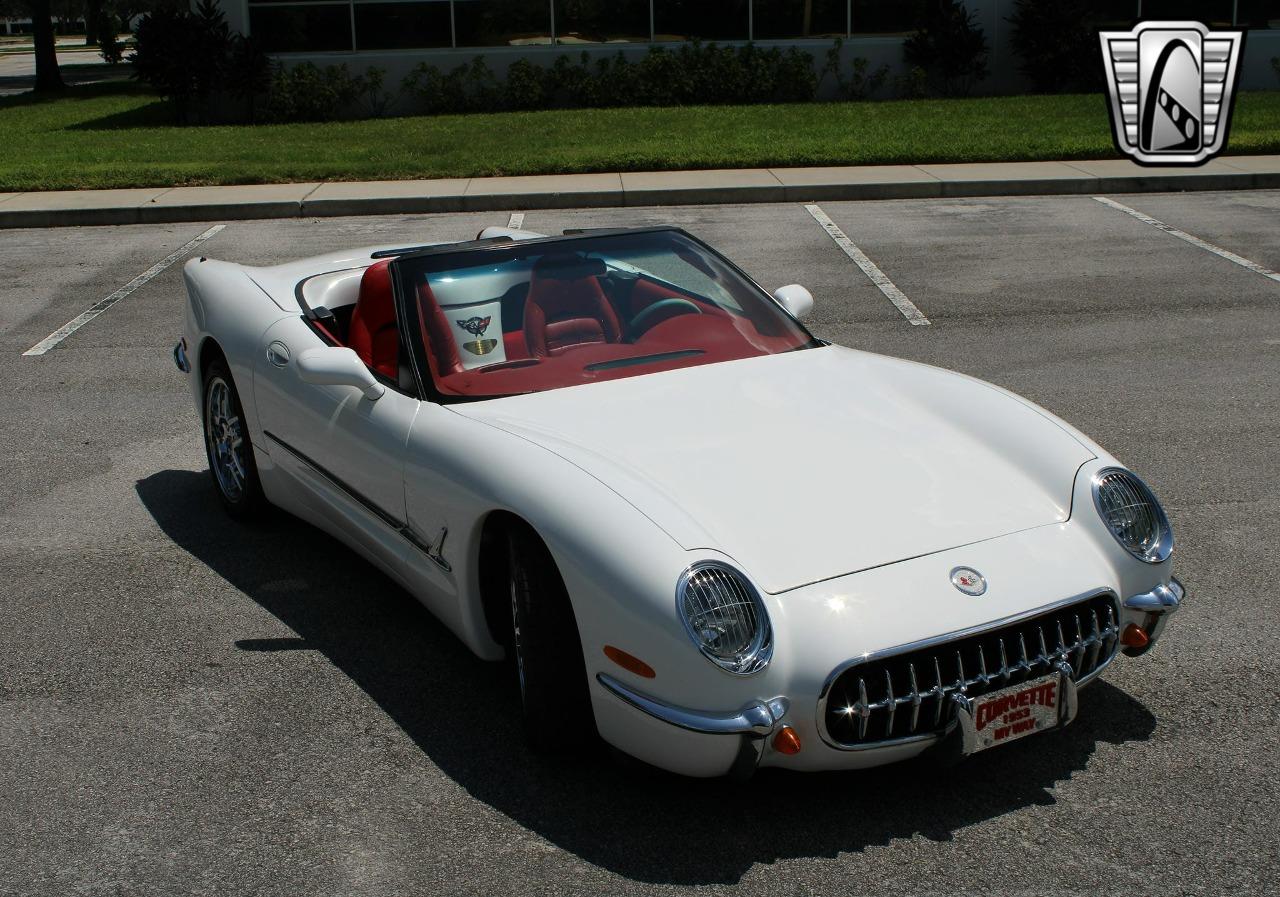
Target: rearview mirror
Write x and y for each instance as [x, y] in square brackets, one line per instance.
[795, 299]
[334, 366]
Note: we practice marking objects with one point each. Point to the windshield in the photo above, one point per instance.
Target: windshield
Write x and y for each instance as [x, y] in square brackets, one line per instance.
[544, 314]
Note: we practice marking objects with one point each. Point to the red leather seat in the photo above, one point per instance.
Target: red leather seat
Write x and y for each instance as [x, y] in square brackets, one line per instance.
[567, 307]
[373, 333]
[441, 349]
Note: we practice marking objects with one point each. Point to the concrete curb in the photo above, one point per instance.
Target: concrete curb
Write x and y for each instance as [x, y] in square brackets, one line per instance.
[238, 203]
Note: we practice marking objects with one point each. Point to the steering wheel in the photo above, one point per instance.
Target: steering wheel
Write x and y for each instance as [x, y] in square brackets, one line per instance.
[684, 306]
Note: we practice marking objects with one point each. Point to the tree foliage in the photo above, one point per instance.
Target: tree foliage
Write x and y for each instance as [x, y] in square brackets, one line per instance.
[193, 58]
[949, 47]
[1056, 43]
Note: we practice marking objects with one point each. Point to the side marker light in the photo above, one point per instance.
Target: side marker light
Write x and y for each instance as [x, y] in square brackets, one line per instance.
[787, 741]
[629, 662]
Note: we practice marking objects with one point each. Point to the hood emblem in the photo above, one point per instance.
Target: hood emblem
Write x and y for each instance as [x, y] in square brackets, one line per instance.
[969, 581]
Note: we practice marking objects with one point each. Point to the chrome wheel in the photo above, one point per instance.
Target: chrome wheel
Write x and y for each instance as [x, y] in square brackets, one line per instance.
[517, 583]
[223, 430]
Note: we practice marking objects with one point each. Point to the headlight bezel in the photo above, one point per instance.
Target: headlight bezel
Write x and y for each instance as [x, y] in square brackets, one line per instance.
[760, 650]
[1162, 548]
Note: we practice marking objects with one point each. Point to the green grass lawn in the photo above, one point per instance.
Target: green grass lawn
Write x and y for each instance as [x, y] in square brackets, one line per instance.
[118, 135]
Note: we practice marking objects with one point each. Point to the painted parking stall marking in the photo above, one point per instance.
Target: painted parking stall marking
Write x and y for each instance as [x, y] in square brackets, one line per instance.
[517, 220]
[1192, 239]
[885, 285]
[93, 311]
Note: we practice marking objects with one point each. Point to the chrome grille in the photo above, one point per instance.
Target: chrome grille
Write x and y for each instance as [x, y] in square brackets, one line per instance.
[905, 695]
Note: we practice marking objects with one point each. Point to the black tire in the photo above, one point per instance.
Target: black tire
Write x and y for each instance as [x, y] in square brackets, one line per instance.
[227, 446]
[547, 651]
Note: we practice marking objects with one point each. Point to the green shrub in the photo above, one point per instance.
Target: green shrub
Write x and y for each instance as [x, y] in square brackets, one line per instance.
[796, 81]
[694, 73]
[1275, 64]
[194, 59]
[248, 73]
[1056, 41]
[183, 54]
[859, 85]
[526, 85]
[571, 83]
[306, 92]
[914, 85]
[471, 87]
[375, 98]
[949, 47]
[110, 48]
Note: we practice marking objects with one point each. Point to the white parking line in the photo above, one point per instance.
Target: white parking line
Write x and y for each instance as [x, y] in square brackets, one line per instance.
[895, 295]
[1193, 240]
[517, 220]
[89, 314]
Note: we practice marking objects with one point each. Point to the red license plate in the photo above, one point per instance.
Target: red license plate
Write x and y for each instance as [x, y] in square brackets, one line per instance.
[1016, 712]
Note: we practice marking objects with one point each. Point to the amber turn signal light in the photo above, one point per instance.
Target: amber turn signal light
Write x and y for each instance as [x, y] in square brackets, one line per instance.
[629, 662]
[1134, 636]
[787, 741]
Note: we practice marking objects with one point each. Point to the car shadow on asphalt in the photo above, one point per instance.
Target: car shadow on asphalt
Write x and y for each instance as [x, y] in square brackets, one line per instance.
[639, 823]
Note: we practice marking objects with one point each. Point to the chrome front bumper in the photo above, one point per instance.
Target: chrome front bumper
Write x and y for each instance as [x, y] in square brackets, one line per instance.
[1156, 607]
[754, 723]
[737, 742]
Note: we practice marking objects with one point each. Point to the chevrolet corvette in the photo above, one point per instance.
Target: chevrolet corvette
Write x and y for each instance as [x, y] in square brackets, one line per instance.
[694, 529]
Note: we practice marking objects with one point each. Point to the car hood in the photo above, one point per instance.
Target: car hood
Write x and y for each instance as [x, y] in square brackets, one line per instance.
[811, 464]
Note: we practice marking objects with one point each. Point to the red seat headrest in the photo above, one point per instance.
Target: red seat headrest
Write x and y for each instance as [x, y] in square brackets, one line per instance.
[373, 335]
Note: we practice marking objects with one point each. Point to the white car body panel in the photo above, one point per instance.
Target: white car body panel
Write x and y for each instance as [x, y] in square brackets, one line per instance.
[844, 484]
[853, 458]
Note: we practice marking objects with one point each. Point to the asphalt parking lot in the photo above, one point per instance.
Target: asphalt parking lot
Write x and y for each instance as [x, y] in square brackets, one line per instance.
[190, 706]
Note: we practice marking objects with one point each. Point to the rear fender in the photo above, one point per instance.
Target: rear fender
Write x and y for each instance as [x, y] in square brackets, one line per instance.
[224, 306]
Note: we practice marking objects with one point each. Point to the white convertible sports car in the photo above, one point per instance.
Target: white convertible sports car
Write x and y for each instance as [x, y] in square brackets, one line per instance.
[699, 531]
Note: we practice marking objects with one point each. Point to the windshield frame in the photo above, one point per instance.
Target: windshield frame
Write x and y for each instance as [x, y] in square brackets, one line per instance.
[473, 252]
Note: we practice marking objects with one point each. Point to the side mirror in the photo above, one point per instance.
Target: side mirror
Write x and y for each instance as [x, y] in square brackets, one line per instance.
[334, 366]
[795, 299]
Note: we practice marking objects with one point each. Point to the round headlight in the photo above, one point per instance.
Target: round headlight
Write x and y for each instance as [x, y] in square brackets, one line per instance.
[1130, 510]
[725, 617]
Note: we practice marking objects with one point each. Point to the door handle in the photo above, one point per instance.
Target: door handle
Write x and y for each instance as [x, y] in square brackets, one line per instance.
[278, 354]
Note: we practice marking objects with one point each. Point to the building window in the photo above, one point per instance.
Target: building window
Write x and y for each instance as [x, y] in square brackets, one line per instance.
[1258, 14]
[799, 19]
[706, 20]
[502, 23]
[309, 27]
[896, 17]
[602, 21]
[403, 25]
[1214, 13]
[1111, 13]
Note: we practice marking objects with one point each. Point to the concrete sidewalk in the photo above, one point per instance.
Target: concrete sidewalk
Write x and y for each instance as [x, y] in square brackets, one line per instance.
[166, 204]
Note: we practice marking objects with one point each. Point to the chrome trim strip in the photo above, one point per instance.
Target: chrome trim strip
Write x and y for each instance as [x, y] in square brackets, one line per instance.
[434, 552]
[757, 718]
[922, 644]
